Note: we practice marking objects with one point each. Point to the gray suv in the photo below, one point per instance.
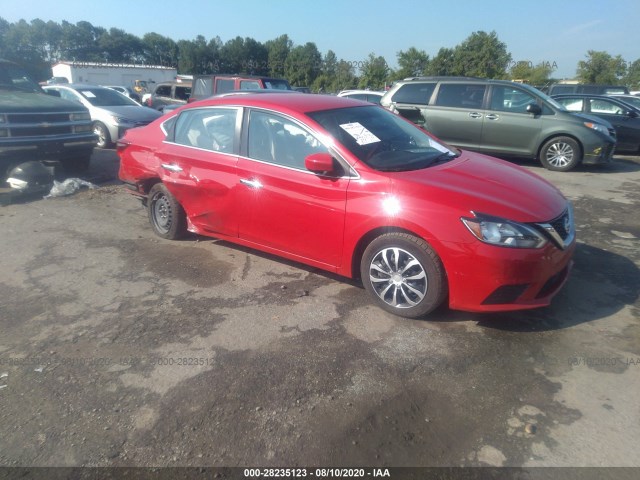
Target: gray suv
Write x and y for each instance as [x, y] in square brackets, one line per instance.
[502, 118]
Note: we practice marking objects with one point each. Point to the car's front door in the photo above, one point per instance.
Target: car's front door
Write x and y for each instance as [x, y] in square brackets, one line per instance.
[198, 166]
[283, 206]
[508, 127]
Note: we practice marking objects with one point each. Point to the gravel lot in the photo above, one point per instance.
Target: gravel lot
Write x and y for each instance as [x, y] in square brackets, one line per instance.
[118, 348]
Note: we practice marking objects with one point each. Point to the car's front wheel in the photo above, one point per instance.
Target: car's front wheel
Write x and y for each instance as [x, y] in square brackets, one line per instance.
[560, 154]
[104, 139]
[166, 215]
[403, 274]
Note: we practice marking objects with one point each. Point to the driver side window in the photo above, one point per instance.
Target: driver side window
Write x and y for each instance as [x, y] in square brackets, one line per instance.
[277, 140]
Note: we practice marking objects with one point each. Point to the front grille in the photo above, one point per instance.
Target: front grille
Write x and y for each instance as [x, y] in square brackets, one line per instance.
[38, 131]
[31, 118]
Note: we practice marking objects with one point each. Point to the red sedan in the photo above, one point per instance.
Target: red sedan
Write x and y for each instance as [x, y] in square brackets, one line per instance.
[354, 189]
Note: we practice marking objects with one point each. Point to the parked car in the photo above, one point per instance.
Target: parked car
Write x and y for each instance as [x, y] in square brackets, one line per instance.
[502, 118]
[356, 190]
[111, 112]
[302, 89]
[566, 88]
[364, 95]
[126, 91]
[633, 100]
[39, 127]
[168, 93]
[205, 86]
[624, 117]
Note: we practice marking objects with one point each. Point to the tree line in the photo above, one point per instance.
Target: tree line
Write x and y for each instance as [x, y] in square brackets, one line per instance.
[38, 44]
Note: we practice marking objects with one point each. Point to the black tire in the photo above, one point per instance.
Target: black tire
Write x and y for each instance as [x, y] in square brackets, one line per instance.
[403, 274]
[166, 215]
[104, 139]
[560, 154]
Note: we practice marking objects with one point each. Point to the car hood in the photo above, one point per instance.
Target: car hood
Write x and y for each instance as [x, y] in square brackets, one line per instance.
[134, 112]
[481, 184]
[13, 101]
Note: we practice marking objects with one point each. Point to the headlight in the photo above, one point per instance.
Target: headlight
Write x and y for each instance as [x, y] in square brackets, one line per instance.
[81, 116]
[121, 120]
[504, 233]
[597, 127]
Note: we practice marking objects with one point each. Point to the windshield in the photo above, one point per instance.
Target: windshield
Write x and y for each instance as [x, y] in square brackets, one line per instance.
[105, 97]
[13, 77]
[381, 139]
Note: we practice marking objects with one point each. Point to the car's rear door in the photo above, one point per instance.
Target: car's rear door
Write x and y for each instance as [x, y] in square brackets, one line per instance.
[198, 165]
[456, 115]
[287, 209]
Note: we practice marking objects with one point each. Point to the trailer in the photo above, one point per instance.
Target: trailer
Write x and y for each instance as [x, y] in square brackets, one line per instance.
[139, 77]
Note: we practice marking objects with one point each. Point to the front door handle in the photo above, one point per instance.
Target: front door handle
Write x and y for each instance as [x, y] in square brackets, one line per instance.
[492, 116]
[251, 183]
[475, 115]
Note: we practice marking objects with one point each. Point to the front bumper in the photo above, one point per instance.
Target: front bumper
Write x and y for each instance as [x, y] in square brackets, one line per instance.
[486, 278]
[598, 153]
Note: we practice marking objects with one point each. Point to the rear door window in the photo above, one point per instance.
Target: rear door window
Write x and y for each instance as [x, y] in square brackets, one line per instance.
[417, 93]
[163, 91]
[460, 95]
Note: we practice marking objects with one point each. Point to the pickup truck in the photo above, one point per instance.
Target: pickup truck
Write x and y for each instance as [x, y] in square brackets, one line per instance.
[40, 127]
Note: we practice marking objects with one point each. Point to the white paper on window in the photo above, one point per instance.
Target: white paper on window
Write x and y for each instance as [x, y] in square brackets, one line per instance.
[361, 135]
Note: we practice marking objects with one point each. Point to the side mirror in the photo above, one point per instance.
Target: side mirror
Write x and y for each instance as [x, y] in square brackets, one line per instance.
[534, 108]
[632, 114]
[321, 163]
[53, 93]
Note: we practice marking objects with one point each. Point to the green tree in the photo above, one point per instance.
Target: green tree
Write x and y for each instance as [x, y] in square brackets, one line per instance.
[442, 63]
[197, 56]
[117, 45]
[277, 52]
[303, 64]
[412, 63]
[481, 55]
[159, 50]
[532, 74]
[632, 78]
[601, 68]
[374, 72]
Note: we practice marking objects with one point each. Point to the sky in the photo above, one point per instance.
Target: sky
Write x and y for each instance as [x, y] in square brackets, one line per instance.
[554, 32]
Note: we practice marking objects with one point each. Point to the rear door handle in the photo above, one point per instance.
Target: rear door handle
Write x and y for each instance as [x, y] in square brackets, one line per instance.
[251, 183]
[475, 115]
[171, 167]
[492, 116]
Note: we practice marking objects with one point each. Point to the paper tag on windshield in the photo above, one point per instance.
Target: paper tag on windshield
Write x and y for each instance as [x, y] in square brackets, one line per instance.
[88, 94]
[360, 134]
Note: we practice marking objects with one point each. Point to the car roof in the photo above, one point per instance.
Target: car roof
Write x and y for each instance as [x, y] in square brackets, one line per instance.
[366, 92]
[292, 102]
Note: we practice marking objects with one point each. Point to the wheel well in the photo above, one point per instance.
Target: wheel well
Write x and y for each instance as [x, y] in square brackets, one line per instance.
[149, 183]
[366, 240]
[555, 135]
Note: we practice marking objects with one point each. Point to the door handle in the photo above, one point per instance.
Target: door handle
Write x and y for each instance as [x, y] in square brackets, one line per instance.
[171, 167]
[475, 115]
[251, 183]
[492, 116]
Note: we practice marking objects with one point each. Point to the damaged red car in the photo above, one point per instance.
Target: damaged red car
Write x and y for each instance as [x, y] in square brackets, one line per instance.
[351, 188]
